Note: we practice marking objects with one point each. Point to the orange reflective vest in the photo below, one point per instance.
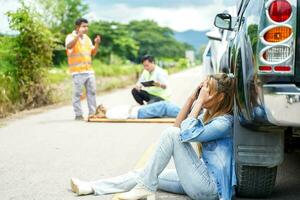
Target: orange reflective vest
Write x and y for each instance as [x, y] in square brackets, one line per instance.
[80, 59]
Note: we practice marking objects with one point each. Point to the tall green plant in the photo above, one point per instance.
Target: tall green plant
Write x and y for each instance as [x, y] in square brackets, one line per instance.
[34, 47]
[8, 84]
[60, 15]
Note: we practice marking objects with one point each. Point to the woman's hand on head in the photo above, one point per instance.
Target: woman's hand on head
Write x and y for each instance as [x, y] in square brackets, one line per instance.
[204, 95]
[196, 92]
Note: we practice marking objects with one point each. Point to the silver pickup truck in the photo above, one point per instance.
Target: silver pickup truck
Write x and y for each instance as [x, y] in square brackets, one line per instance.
[264, 55]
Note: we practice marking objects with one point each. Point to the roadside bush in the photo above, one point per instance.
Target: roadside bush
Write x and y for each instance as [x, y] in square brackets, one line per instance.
[34, 47]
[182, 63]
[7, 55]
[8, 84]
[8, 95]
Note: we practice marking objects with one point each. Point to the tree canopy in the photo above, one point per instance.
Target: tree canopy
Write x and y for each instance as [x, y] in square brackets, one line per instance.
[127, 41]
[116, 39]
[60, 15]
[132, 41]
[156, 40]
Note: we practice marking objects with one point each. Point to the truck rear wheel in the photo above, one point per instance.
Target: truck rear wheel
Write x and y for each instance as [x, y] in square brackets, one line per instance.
[255, 181]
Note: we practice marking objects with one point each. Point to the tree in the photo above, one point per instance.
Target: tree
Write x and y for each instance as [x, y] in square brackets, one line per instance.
[60, 15]
[115, 40]
[33, 48]
[156, 40]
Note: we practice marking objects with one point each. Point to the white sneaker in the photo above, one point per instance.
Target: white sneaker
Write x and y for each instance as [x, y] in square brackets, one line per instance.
[138, 192]
[80, 187]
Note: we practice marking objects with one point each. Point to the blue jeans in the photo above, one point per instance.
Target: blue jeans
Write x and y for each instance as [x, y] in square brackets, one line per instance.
[191, 176]
[158, 110]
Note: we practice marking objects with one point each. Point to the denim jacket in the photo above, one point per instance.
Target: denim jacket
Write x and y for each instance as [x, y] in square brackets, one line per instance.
[217, 149]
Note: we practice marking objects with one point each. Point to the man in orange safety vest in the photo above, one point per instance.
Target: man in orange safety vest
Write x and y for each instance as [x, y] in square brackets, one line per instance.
[80, 50]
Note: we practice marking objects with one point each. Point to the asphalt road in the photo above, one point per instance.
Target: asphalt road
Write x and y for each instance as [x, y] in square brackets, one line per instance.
[39, 153]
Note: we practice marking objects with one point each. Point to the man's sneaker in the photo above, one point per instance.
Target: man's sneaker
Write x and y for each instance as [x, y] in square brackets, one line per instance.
[79, 118]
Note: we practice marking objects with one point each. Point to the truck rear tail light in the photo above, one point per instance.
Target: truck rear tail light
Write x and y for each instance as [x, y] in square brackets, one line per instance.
[280, 10]
[278, 34]
[265, 68]
[277, 39]
[282, 69]
[276, 54]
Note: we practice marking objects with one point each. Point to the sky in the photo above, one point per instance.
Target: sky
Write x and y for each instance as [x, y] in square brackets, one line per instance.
[180, 15]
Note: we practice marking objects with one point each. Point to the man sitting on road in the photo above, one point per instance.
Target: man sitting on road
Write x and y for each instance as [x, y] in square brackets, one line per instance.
[155, 110]
[157, 83]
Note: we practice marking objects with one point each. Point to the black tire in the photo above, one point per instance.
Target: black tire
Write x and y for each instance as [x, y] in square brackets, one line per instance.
[255, 182]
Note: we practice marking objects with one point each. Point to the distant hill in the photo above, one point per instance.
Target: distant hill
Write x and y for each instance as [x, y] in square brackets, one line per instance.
[192, 37]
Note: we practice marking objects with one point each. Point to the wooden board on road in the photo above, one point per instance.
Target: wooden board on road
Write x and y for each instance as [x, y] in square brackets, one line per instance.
[154, 120]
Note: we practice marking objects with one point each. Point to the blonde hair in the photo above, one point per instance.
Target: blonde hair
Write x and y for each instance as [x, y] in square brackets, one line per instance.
[222, 86]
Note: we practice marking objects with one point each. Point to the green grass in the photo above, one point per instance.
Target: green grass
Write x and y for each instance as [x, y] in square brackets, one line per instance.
[108, 77]
[115, 69]
[8, 94]
[58, 75]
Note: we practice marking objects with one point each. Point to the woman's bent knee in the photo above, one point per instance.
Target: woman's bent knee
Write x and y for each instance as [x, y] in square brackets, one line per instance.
[171, 132]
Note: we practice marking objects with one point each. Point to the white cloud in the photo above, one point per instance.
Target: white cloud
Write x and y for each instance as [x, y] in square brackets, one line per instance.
[5, 7]
[9, 6]
[179, 19]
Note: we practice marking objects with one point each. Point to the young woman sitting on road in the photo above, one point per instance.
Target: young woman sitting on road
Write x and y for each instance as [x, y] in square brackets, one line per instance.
[211, 176]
